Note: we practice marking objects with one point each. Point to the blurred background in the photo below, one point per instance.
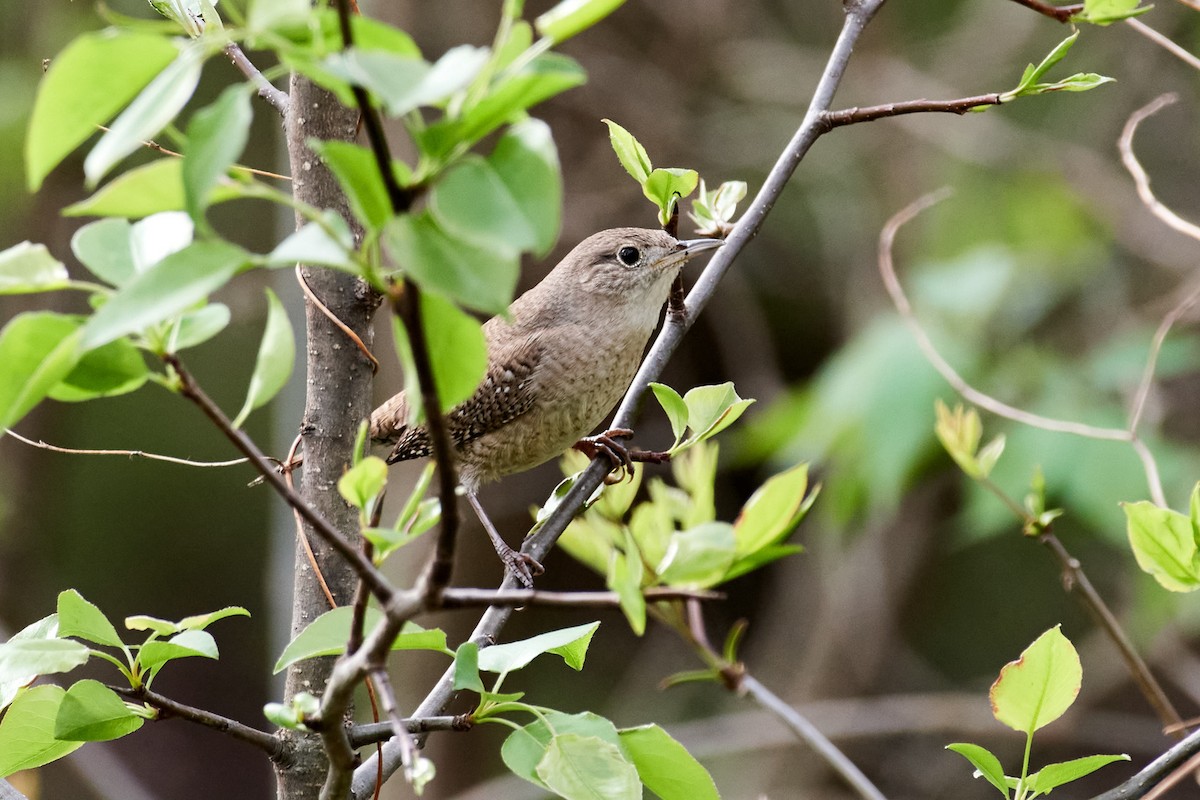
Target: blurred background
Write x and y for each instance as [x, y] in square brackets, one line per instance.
[1042, 281]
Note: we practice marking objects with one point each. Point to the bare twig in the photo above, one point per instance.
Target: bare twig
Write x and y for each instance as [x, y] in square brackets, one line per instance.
[166, 151]
[343, 327]
[276, 97]
[850, 116]
[264, 741]
[371, 733]
[1162, 773]
[187, 462]
[1141, 179]
[477, 598]
[365, 570]
[1163, 42]
[1060, 13]
[858, 14]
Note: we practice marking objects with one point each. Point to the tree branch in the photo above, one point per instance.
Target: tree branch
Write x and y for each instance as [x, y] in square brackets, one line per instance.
[362, 566]
[1060, 13]
[851, 116]
[374, 732]
[1175, 761]
[264, 741]
[276, 97]
[474, 598]
[858, 14]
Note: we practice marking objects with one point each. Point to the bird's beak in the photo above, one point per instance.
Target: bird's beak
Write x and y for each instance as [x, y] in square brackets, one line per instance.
[687, 249]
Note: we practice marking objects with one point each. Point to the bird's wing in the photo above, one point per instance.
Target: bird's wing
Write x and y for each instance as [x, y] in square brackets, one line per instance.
[505, 393]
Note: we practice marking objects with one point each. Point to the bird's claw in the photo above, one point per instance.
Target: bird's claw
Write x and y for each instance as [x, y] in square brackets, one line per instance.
[622, 457]
[522, 566]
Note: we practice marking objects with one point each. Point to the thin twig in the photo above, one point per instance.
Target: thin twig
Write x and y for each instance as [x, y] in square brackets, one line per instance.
[343, 327]
[166, 151]
[373, 733]
[408, 749]
[363, 567]
[1060, 13]
[888, 271]
[1143, 390]
[858, 14]
[264, 741]
[276, 97]
[187, 462]
[1141, 179]
[1164, 771]
[1163, 42]
[477, 598]
[963, 105]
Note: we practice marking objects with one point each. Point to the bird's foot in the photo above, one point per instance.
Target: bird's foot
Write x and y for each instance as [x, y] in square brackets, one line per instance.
[521, 566]
[622, 457]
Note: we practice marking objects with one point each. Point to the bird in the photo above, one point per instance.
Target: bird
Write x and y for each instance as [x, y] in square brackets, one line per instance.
[558, 361]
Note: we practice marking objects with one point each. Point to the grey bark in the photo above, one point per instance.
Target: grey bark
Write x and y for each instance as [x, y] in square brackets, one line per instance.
[338, 398]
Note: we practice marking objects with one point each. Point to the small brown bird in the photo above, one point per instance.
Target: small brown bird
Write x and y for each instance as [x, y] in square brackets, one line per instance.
[556, 367]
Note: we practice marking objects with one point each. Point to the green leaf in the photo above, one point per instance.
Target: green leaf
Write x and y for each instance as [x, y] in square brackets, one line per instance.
[629, 152]
[1056, 55]
[276, 357]
[91, 712]
[625, 572]
[358, 174]
[773, 511]
[759, 558]
[466, 668]
[1106, 12]
[268, 14]
[662, 185]
[570, 17]
[327, 636]
[216, 137]
[199, 622]
[27, 731]
[712, 409]
[481, 278]
[986, 765]
[185, 644]
[676, 409]
[588, 768]
[394, 79]
[363, 482]
[148, 114]
[24, 658]
[37, 350]
[197, 327]
[87, 83]
[1038, 687]
[570, 643]
[665, 766]
[1052, 776]
[77, 617]
[104, 248]
[473, 204]
[180, 280]
[1164, 544]
[457, 350]
[526, 161]
[144, 622]
[28, 267]
[328, 243]
[698, 558]
[526, 746]
[114, 369]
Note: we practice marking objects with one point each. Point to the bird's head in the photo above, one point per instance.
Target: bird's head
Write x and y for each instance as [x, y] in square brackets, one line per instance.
[631, 264]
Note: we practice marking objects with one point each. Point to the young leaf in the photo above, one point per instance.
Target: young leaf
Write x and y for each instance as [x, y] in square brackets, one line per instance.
[625, 573]
[27, 731]
[327, 635]
[328, 243]
[525, 747]
[773, 510]
[77, 617]
[87, 83]
[363, 482]
[91, 712]
[665, 766]
[1038, 687]
[1052, 776]
[570, 643]
[473, 204]
[180, 280]
[466, 668]
[698, 558]
[986, 765]
[148, 114]
[676, 409]
[1106, 12]
[28, 267]
[526, 161]
[629, 152]
[185, 644]
[217, 135]
[268, 14]
[105, 248]
[197, 327]
[158, 236]
[276, 357]
[571, 17]
[662, 185]
[712, 409]
[585, 767]
[1164, 544]
[37, 350]
[24, 658]
[198, 622]
[358, 174]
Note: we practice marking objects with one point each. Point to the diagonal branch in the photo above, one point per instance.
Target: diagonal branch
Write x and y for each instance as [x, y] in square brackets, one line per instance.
[275, 97]
[963, 105]
[858, 14]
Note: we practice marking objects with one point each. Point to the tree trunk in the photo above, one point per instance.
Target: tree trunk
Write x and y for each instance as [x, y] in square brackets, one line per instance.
[338, 398]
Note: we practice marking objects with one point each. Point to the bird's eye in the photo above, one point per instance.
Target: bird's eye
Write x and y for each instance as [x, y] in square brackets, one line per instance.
[629, 256]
